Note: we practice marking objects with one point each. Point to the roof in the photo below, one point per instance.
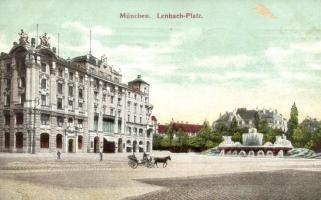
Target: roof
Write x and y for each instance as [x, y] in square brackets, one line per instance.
[188, 128]
[138, 80]
[246, 114]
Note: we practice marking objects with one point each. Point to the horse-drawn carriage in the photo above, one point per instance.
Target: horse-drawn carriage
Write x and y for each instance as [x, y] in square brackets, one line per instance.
[147, 162]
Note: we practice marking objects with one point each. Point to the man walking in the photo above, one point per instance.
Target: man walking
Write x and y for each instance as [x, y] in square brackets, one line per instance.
[58, 155]
[101, 155]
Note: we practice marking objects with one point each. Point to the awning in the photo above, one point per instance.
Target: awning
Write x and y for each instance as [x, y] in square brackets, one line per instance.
[141, 146]
[128, 145]
[109, 138]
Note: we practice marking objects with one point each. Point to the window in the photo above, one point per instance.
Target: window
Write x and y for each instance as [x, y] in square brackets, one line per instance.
[22, 98]
[140, 132]
[135, 108]
[141, 108]
[128, 105]
[44, 140]
[80, 93]
[111, 99]
[111, 111]
[60, 121]
[43, 84]
[134, 119]
[71, 76]
[71, 104]
[8, 67]
[19, 140]
[43, 67]
[129, 130]
[7, 140]
[60, 71]
[70, 121]
[81, 79]
[104, 97]
[108, 125]
[79, 104]
[7, 102]
[59, 141]
[135, 131]
[95, 123]
[80, 123]
[129, 94]
[44, 119]
[43, 100]
[59, 103]
[96, 95]
[71, 91]
[128, 118]
[8, 83]
[21, 82]
[7, 119]
[119, 101]
[59, 87]
[140, 120]
[19, 118]
[135, 96]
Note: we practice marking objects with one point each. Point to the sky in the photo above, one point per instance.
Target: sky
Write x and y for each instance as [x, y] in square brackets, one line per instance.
[253, 54]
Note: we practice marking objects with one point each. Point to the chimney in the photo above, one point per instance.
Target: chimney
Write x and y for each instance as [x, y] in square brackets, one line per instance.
[15, 43]
[138, 76]
[33, 42]
[54, 49]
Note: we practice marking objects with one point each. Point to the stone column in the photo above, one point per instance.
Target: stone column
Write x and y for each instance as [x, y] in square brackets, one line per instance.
[99, 108]
[116, 110]
[53, 87]
[76, 93]
[66, 95]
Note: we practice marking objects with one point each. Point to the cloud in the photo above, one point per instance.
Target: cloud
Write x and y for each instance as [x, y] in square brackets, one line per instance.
[4, 45]
[224, 61]
[99, 30]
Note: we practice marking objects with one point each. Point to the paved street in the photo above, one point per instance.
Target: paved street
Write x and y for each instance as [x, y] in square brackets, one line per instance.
[283, 185]
[83, 176]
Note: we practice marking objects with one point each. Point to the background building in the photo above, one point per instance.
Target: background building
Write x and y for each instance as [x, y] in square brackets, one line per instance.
[76, 105]
[189, 129]
[245, 118]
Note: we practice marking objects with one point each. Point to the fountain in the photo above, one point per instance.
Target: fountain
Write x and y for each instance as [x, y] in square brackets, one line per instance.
[252, 144]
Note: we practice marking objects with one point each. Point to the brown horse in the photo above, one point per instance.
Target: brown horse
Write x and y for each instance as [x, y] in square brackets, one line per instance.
[161, 160]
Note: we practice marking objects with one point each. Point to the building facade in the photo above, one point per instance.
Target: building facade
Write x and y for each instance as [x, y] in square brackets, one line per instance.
[245, 118]
[72, 105]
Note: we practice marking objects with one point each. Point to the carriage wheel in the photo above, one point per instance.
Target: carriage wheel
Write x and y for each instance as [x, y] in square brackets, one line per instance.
[132, 164]
[150, 165]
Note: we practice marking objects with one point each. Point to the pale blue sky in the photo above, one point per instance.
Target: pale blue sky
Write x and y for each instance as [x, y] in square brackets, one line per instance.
[234, 56]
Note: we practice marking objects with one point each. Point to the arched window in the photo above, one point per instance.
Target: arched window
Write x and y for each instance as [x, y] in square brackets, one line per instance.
[44, 140]
[19, 140]
[7, 140]
[43, 84]
[59, 141]
[80, 142]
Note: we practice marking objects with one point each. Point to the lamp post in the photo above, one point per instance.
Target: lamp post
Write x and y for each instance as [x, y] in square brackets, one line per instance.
[34, 125]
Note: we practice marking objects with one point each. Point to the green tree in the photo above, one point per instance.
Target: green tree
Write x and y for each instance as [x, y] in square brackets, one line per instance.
[165, 143]
[156, 141]
[233, 127]
[263, 126]
[300, 137]
[237, 137]
[293, 121]
[170, 132]
[315, 141]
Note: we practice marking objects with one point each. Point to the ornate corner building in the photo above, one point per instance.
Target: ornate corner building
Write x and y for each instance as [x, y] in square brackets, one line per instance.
[72, 105]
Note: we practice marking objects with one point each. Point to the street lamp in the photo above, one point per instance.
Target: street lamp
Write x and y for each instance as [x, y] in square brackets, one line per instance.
[34, 125]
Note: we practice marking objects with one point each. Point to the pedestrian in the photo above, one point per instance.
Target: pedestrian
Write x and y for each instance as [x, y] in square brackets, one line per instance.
[58, 155]
[101, 155]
